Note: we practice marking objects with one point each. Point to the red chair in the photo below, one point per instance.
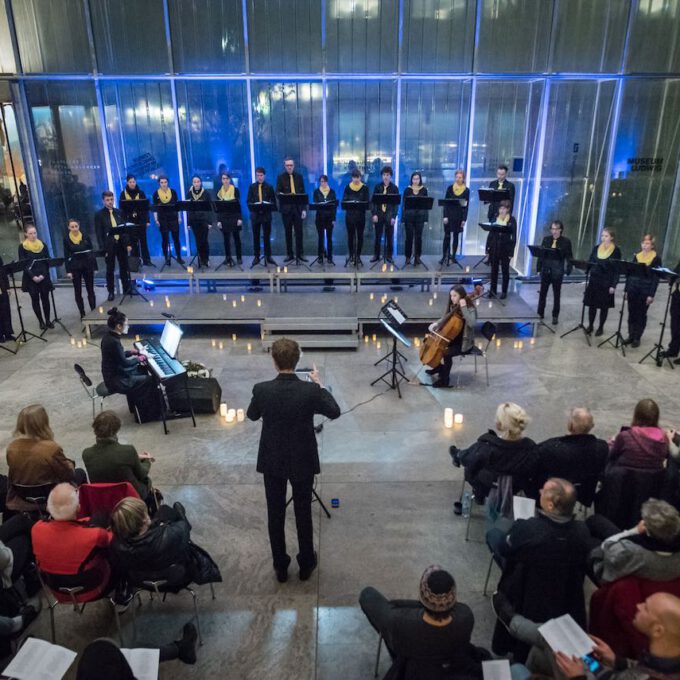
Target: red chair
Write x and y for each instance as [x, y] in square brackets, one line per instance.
[613, 607]
[101, 499]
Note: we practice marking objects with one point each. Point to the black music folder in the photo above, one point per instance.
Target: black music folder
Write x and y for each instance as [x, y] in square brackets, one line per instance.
[355, 205]
[194, 206]
[498, 229]
[446, 202]
[386, 199]
[227, 207]
[418, 202]
[323, 206]
[545, 253]
[293, 199]
[493, 195]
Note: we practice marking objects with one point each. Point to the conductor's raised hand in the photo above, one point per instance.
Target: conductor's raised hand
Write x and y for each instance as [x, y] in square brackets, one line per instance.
[314, 376]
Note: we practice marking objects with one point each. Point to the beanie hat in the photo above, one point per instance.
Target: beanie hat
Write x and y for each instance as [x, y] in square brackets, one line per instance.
[437, 589]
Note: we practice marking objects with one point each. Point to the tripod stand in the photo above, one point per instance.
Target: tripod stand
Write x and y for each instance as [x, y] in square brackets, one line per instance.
[580, 325]
[25, 335]
[132, 292]
[449, 260]
[395, 370]
[316, 498]
[56, 318]
[173, 257]
[618, 344]
[659, 351]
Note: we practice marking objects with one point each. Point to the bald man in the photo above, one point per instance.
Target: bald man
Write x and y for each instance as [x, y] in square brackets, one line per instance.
[658, 619]
[578, 456]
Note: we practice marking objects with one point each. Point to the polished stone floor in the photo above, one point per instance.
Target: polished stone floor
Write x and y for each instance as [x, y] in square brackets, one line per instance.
[386, 461]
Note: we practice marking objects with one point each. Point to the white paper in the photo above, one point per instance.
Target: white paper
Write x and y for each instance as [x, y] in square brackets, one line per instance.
[523, 508]
[496, 670]
[565, 635]
[40, 660]
[143, 662]
[396, 314]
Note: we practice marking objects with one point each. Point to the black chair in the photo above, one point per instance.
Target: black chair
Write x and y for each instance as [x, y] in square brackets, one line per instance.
[488, 332]
[99, 392]
[34, 493]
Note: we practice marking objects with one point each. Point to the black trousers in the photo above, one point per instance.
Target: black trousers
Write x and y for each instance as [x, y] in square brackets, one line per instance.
[355, 237]
[674, 344]
[266, 228]
[227, 235]
[275, 491]
[414, 232]
[165, 241]
[201, 231]
[325, 230]
[554, 279]
[15, 533]
[38, 296]
[87, 276]
[293, 221]
[451, 242]
[454, 350]
[142, 246]
[120, 254]
[5, 315]
[592, 313]
[637, 314]
[503, 263]
[385, 225]
[144, 398]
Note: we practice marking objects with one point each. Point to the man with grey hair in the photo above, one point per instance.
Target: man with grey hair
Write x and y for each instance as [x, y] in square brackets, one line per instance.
[577, 456]
[67, 546]
[650, 550]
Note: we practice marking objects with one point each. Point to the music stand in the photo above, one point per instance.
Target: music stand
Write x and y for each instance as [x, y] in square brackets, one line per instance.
[168, 209]
[488, 195]
[229, 208]
[583, 265]
[121, 230]
[355, 205]
[194, 206]
[24, 336]
[669, 275]
[392, 316]
[492, 227]
[443, 203]
[324, 206]
[418, 203]
[56, 262]
[131, 210]
[300, 201]
[384, 199]
[261, 206]
[2, 346]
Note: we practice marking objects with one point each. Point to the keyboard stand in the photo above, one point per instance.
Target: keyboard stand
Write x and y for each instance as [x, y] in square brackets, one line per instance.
[165, 405]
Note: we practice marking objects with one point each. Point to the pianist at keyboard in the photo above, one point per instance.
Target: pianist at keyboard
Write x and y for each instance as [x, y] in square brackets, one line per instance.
[125, 372]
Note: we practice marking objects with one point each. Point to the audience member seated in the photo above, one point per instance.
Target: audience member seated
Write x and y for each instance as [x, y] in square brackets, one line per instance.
[16, 561]
[543, 561]
[109, 461]
[578, 456]
[66, 546]
[103, 660]
[146, 549]
[643, 445]
[35, 459]
[429, 636]
[650, 550]
[658, 618]
[501, 465]
[12, 626]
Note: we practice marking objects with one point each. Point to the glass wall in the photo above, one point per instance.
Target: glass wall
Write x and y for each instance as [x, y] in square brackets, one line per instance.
[578, 97]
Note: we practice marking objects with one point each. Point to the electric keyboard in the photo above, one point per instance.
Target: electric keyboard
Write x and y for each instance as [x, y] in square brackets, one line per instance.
[160, 362]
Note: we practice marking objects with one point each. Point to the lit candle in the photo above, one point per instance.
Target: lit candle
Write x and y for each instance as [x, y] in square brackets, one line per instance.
[467, 270]
[458, 418]
[396, 299]
[233, 337]
[221, 345]
[73, 340]
[391, 267]
[430, 302]
[498, 342]
[78, 345]
[240, 415]
[137, 338]
[233, 303]
[150, 303]
[190, 270]
[285, 270]
[384, 267]
[434, 295]
[378, 345]
[366, 339]
[213, 342]
[223, 409]
[259, 303]
[532, 341]
[167, 300]
[490, 305]
[278, 270]
[224, 297]
[371, 296]
[374, 337]
[520, 344]
[101, 310]
[243, 298]
[231, 415]
[448, 417]
[417, 342]
[249, 347]
[167, 304]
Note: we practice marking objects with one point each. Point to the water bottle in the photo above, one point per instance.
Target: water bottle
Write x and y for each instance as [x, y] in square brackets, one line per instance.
[467, 504]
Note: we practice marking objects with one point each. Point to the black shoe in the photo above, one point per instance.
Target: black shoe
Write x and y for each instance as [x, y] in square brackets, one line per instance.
[82, 315]
[554, 320]
[375, 258]
[10, 338]
[432, 371]
[168, 261]
[454, 452]
[358, 262]
[239, 260]
[440, 383]
[306, 572]
[503, 296]
[389, 260]
[599, 332]
[256, 261]
[111, 297]
[627, 341]
[540, 315]
[187, 645]
[677, 362]
[589, 330]
[417, 262]
[148, 263]
[407, 262]
[442, 262]
[635, 344]
[492, 294]
[319, 259]
[271, 260]
[179, 260]
[302, 258]
[28, 614]
[281, 575]
[288, 259]
[502, 609]
[330, 260]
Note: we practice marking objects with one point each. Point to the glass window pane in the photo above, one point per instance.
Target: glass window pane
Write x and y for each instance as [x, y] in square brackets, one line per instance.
[207, 36]
[140, 128]
[361, 132]
[284, 36]
[645, 162]
[589, 35]
[438, 36]
[69, 150]
[654, 45]
[287, 120]
[361, 37]
[577, 139]
[7, 63]
[434, 132]
[514, 36]
[213, 118]
[130, 36]
[42, 27]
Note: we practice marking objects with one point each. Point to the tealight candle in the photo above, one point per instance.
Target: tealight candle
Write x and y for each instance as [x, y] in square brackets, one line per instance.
[240, 415]
[233, 303]
[231, 415]
[137, 338]
[73, 340]
[371, 296]
[213, 342]
[384, 268]
[366, 339]
[243, 298]
[259, 303]
[520, 344]
[101, 310]
[416, 342]
[448, 418]
[378, 345]
[150, 303]
[278, 270]
[223, 409]
[190, 270]
[221, 345]
[498, 342]
[434, 295]
[490, 305]
[78, 345]
[374, 337]
[224, 297]
[249, 348]
[285, 270]
[233, 337]
[430, 302]
[396, 299]
[532, 341]
[467, 270]
[391, 267]
[458, 418]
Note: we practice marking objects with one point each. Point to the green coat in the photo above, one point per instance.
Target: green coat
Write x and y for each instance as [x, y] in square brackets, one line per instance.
[109, 461]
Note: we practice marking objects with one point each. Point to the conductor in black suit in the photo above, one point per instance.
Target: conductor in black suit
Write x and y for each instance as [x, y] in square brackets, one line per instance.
[501, 182]
[293, 215]
[288, 451]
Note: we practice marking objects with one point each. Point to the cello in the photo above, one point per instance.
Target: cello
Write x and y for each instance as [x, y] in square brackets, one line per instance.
[437, 342]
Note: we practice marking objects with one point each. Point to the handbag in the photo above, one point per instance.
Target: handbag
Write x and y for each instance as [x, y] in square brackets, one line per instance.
[202, 567]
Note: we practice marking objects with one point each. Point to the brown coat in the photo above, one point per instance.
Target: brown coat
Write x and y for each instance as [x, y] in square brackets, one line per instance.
[32, 461]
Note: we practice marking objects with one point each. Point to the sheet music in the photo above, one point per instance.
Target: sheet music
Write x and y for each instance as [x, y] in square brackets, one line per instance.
[523, 508]
[40, 660]
[395, 314]
[143, 662]
[563, 634]
[496, 670]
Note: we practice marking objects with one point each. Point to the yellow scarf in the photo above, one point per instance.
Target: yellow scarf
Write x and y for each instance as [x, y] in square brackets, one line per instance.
[34, 246]
[500, 220]
[603, 252]
[646, 258]
[554, 243]
[417, 189]
[75, 239]
[259, 192]
[165, 195]
[112, 217]
[325, 193]
[355, 187]
[458, 189]
[500, 185]
[292, 184]
[196, 196]
[131, 198]
[227, 195]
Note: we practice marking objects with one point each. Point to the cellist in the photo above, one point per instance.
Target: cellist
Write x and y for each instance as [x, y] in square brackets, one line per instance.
[460, 304]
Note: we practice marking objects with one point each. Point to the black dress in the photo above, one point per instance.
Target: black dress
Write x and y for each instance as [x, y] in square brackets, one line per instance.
[139, 217]
[6, 330]
[602, 277]
[199, 223]
[638, 289]
[324, 221]
[500, 247]
[39, 291]
[230, 226]
[355, 220]
[82, 266]
[456, 215]
[414, 222]
[168, 223]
